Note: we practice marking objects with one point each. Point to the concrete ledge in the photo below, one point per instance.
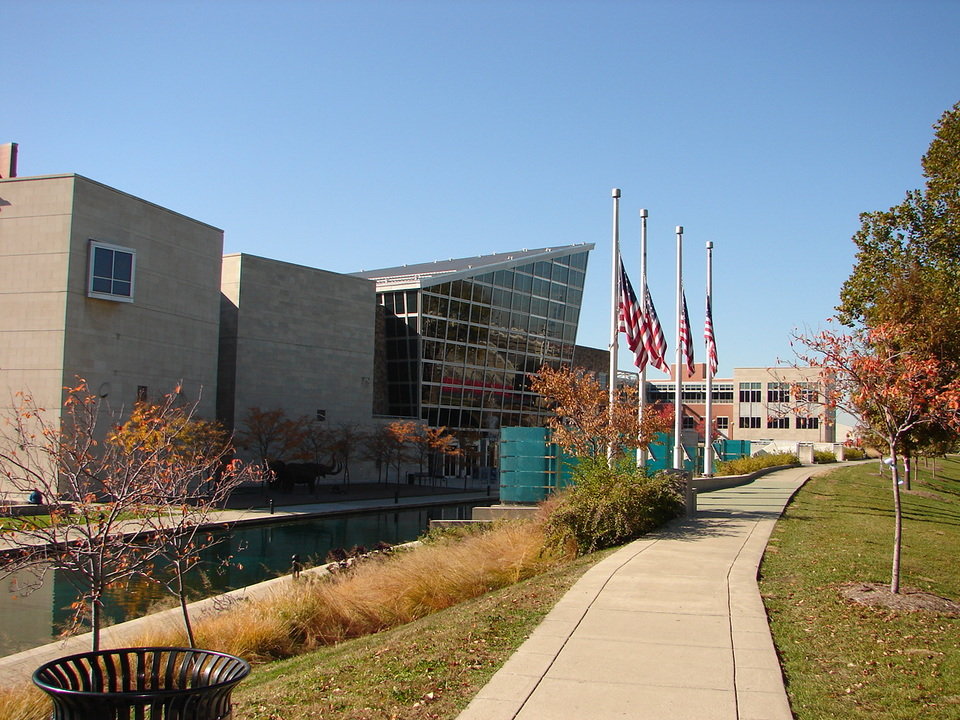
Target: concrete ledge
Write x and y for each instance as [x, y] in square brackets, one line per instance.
[706, 484]
[456, 523]
[504, 512]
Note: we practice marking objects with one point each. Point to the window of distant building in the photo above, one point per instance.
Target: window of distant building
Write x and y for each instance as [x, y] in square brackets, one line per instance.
[111, 272]
[689, 423]
[749, 392]
[808, 423]
[750, 422]
[723, 423]
[779, 423]
[778, 392]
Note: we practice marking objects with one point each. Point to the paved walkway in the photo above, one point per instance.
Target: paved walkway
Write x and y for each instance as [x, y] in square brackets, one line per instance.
[669, 626]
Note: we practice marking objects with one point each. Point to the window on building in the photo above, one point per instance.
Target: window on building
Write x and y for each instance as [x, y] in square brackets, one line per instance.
[750, 422]
[111, 272]
[749, 392]
[808, 392]
[723, 392]
[689, 423]
[808, 423]
[779, 423]
[778, 392]
[141, 393]
[723, 423]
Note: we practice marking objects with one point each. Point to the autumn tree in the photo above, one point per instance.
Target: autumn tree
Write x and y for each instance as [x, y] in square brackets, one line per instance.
[399, 437]
[191, 474]
[892, 390]
[271, 434]
[377, 447]
[346, 441]
[431, 443]
[582, 422]
[105, 497]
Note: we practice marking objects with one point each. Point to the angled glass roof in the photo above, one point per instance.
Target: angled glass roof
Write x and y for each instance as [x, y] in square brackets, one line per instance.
[408, 277]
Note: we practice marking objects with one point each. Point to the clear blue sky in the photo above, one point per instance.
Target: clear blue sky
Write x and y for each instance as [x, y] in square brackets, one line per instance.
[357, 135]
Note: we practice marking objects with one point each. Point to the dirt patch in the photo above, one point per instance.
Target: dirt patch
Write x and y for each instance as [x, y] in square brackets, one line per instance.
[907, 600]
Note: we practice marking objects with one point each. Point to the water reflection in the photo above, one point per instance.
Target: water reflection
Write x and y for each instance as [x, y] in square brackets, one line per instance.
[31, 617]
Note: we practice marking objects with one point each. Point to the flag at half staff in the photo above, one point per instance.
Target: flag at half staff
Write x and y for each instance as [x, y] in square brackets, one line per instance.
[686, 344]
[631, 319]
[641, 326]
[709, 339]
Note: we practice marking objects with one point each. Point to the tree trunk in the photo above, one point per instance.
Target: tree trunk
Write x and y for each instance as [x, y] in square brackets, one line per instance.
[95, 622]
[898, 525]
[906, 472]
[182, 596]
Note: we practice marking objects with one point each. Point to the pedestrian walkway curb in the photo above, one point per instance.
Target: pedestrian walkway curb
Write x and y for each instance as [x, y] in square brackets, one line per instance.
[669, 626]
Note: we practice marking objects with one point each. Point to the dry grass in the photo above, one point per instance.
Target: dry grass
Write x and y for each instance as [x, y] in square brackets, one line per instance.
[372, 596]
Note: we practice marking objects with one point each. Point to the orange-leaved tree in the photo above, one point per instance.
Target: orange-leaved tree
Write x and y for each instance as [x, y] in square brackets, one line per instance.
[271, 434]
[582, 421]
[891, 388]
[114, 502]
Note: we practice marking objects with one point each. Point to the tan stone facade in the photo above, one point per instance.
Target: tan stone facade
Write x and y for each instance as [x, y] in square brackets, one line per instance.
[779, 404]
[159, 329]
[296, 338]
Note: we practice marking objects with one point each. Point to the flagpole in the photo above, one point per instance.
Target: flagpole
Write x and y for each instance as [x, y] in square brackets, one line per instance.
[614, 314]
[708, 420]
[642, 378]
[677, 401]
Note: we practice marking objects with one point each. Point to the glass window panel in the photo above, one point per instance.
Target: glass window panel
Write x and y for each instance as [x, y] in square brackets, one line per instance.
[123, 268]
[102, 285]
[412, 301]
[542, 269]
[102, 262]
[523, 283]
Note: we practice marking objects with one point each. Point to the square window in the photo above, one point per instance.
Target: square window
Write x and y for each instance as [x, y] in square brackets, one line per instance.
[111, 272]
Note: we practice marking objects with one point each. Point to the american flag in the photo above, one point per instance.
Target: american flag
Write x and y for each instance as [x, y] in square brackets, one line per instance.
[710, 340]
[653, 339]
[641, 326]
[631, 319]
[686, 345]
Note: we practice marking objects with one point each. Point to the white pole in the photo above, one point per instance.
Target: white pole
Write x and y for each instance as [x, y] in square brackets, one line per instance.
[708, 420]
[642, 379]
[678, 368]
[614, 312]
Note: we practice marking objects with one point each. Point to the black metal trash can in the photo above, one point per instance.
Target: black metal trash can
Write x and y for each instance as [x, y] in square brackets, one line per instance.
[155, 683]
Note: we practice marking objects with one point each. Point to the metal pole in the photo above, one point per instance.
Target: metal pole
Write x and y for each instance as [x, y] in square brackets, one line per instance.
[677, 399]
[614, 312]
[708, 420]
[642, 378]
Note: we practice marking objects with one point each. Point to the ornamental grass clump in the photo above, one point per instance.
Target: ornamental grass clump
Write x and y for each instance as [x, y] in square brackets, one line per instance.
[379, 592]
[609, 506]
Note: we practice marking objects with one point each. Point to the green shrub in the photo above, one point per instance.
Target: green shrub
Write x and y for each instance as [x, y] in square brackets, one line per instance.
[822, 456]
[610, 506]
[745, 466]
[851, 453]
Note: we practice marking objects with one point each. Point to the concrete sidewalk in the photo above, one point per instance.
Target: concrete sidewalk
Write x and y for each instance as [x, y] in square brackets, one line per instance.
[670, 626]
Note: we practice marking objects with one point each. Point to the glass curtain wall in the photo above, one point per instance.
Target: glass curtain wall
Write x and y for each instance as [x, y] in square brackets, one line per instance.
[459, 352]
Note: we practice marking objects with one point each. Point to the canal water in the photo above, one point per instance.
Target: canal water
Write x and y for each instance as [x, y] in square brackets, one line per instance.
[246, 555]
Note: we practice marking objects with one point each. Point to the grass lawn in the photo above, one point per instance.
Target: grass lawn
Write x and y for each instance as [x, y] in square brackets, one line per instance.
[845, 660]
[430, 668]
